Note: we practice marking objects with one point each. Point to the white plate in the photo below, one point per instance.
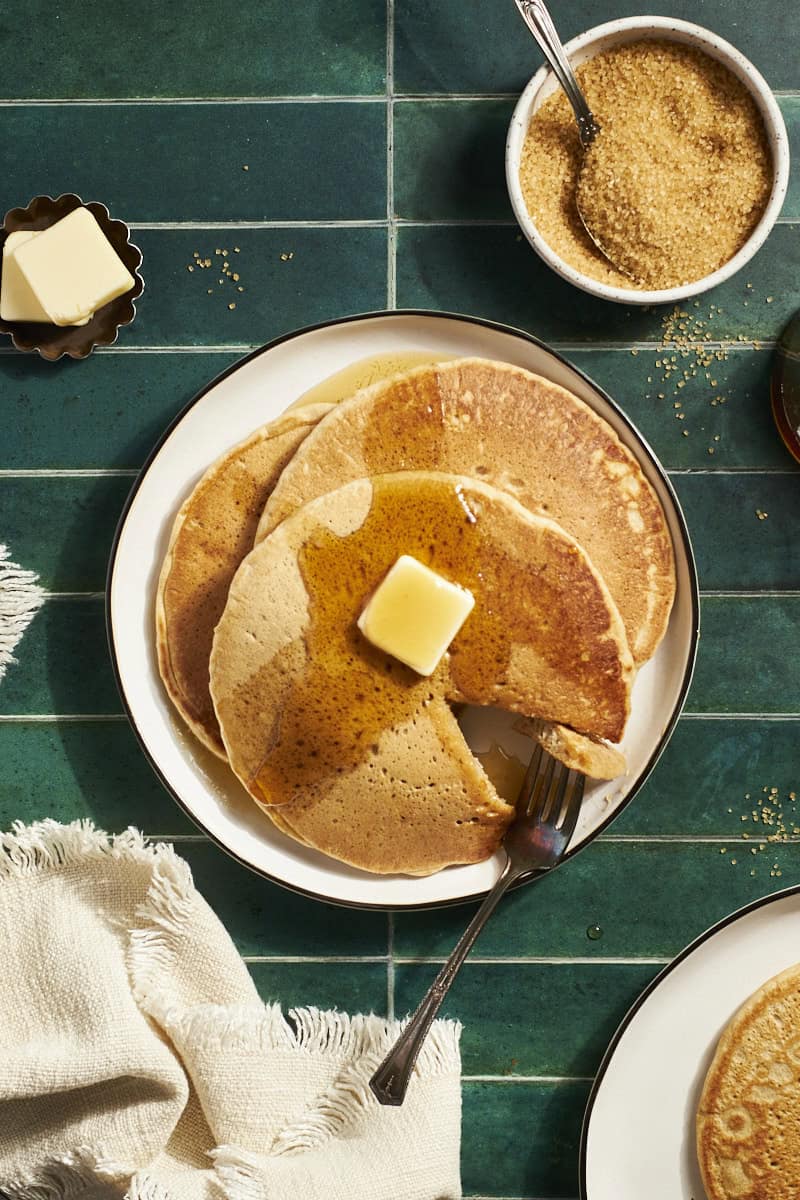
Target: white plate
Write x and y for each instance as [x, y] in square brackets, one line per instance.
[255, 391]
[638, 1136]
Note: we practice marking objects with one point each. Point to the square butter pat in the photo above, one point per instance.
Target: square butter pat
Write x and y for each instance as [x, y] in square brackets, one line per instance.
[17, 300]
[72, 268]
[414, 614]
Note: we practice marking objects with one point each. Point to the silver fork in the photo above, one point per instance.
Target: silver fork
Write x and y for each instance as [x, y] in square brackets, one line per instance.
[547, 812]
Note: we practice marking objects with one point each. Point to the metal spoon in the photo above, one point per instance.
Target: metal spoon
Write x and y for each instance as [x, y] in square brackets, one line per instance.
[538, 20]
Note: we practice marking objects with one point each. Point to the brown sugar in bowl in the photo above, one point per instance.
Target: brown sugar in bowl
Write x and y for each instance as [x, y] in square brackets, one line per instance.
[610, 36]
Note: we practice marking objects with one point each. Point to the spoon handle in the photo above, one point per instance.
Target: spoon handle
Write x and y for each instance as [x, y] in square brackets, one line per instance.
[535, 15]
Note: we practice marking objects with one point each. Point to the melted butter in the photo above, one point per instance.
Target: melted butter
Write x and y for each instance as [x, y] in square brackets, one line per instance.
[364, 373]
[504, 770]
[336, 708]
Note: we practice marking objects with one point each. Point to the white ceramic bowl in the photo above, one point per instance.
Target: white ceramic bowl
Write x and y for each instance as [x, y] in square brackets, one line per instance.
[616, 33]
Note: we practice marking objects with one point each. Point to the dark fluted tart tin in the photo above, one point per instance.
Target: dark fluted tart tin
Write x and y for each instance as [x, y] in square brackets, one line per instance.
[76, 341]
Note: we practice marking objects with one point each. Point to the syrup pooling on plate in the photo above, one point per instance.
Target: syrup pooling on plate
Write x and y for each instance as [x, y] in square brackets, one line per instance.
[334, 713]
[364, 373]
[505, 771]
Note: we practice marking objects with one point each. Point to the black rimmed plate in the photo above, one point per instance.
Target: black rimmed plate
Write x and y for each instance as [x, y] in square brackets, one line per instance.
[639, 1131]
[254, 391]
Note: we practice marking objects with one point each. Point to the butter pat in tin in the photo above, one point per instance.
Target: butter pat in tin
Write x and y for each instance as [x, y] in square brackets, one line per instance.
[71, 269]
[414, 614]
[17, 299]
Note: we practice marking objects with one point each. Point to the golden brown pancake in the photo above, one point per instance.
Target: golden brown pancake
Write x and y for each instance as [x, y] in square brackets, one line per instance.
[364, 756]
[748, 1119]
[521, 433]
[582, 753]
[212, 533]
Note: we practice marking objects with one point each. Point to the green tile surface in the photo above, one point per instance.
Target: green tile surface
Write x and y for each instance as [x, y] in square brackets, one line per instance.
[470, 47]
[545, 1018]
[350, 986]
[732, 405]
[104, 412]
[304, 161]
[451, 159]
[267, 920]
[680, 888]
[65, 668]
[70, 549]
[254, 48]
[84, 769]
[290, 277]
[299, 95]
[521, 1139]
[739, 758]
[493, 272]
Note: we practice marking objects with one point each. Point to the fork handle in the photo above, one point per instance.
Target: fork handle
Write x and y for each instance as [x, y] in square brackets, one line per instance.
[390, 1081]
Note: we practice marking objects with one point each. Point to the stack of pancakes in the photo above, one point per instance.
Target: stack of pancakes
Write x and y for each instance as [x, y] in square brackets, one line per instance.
[495, 478]
[748, 1120]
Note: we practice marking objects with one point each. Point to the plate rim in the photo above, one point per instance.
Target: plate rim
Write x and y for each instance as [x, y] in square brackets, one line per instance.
[730, 919]
[485, 323]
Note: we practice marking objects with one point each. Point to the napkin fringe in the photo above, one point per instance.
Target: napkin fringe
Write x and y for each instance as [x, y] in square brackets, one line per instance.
[166, 915]
[321, 1032]
[20, 600]
[71, 1176]
[48, 845]
[349, 1096]
[240, 1173]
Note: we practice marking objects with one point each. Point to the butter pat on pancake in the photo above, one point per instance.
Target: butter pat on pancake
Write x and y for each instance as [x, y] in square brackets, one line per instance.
[212, 533]
[363, 756]
[748, 1118]
[521, 433]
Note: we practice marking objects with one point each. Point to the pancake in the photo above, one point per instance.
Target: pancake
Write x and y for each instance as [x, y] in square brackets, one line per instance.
[748, 1119]
[364, 757]
[211, 535]
[591, 757]
[521, 433]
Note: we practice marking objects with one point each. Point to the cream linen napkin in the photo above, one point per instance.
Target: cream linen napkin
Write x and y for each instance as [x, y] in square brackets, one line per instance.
[20, 598]
[136, 1058]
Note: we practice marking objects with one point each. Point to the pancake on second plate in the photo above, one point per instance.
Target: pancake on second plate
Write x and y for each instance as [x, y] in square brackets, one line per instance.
[212, 533]
[748, 1119]
[363, 756]
[527, 436]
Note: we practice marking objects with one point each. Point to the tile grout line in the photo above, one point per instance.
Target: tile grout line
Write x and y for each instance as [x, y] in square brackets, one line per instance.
[70, 473]
[538, 960]
[309, 958]
[527, 1078]
[711, 839]
[391, 223]
[306, 98]
[390, 963]
[688, 715]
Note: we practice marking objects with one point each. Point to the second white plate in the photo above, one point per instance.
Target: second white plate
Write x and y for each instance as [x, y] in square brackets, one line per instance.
[257, 390]
[639, 1133]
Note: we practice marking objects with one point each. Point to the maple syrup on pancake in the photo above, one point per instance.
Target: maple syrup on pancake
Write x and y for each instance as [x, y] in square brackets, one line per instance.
[364, 373]
[342, 693]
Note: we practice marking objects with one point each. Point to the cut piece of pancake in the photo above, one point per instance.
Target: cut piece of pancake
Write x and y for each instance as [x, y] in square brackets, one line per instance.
[591, 757]
[748, 1118]
[211, 535]
[364, 756]
[527, 436]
